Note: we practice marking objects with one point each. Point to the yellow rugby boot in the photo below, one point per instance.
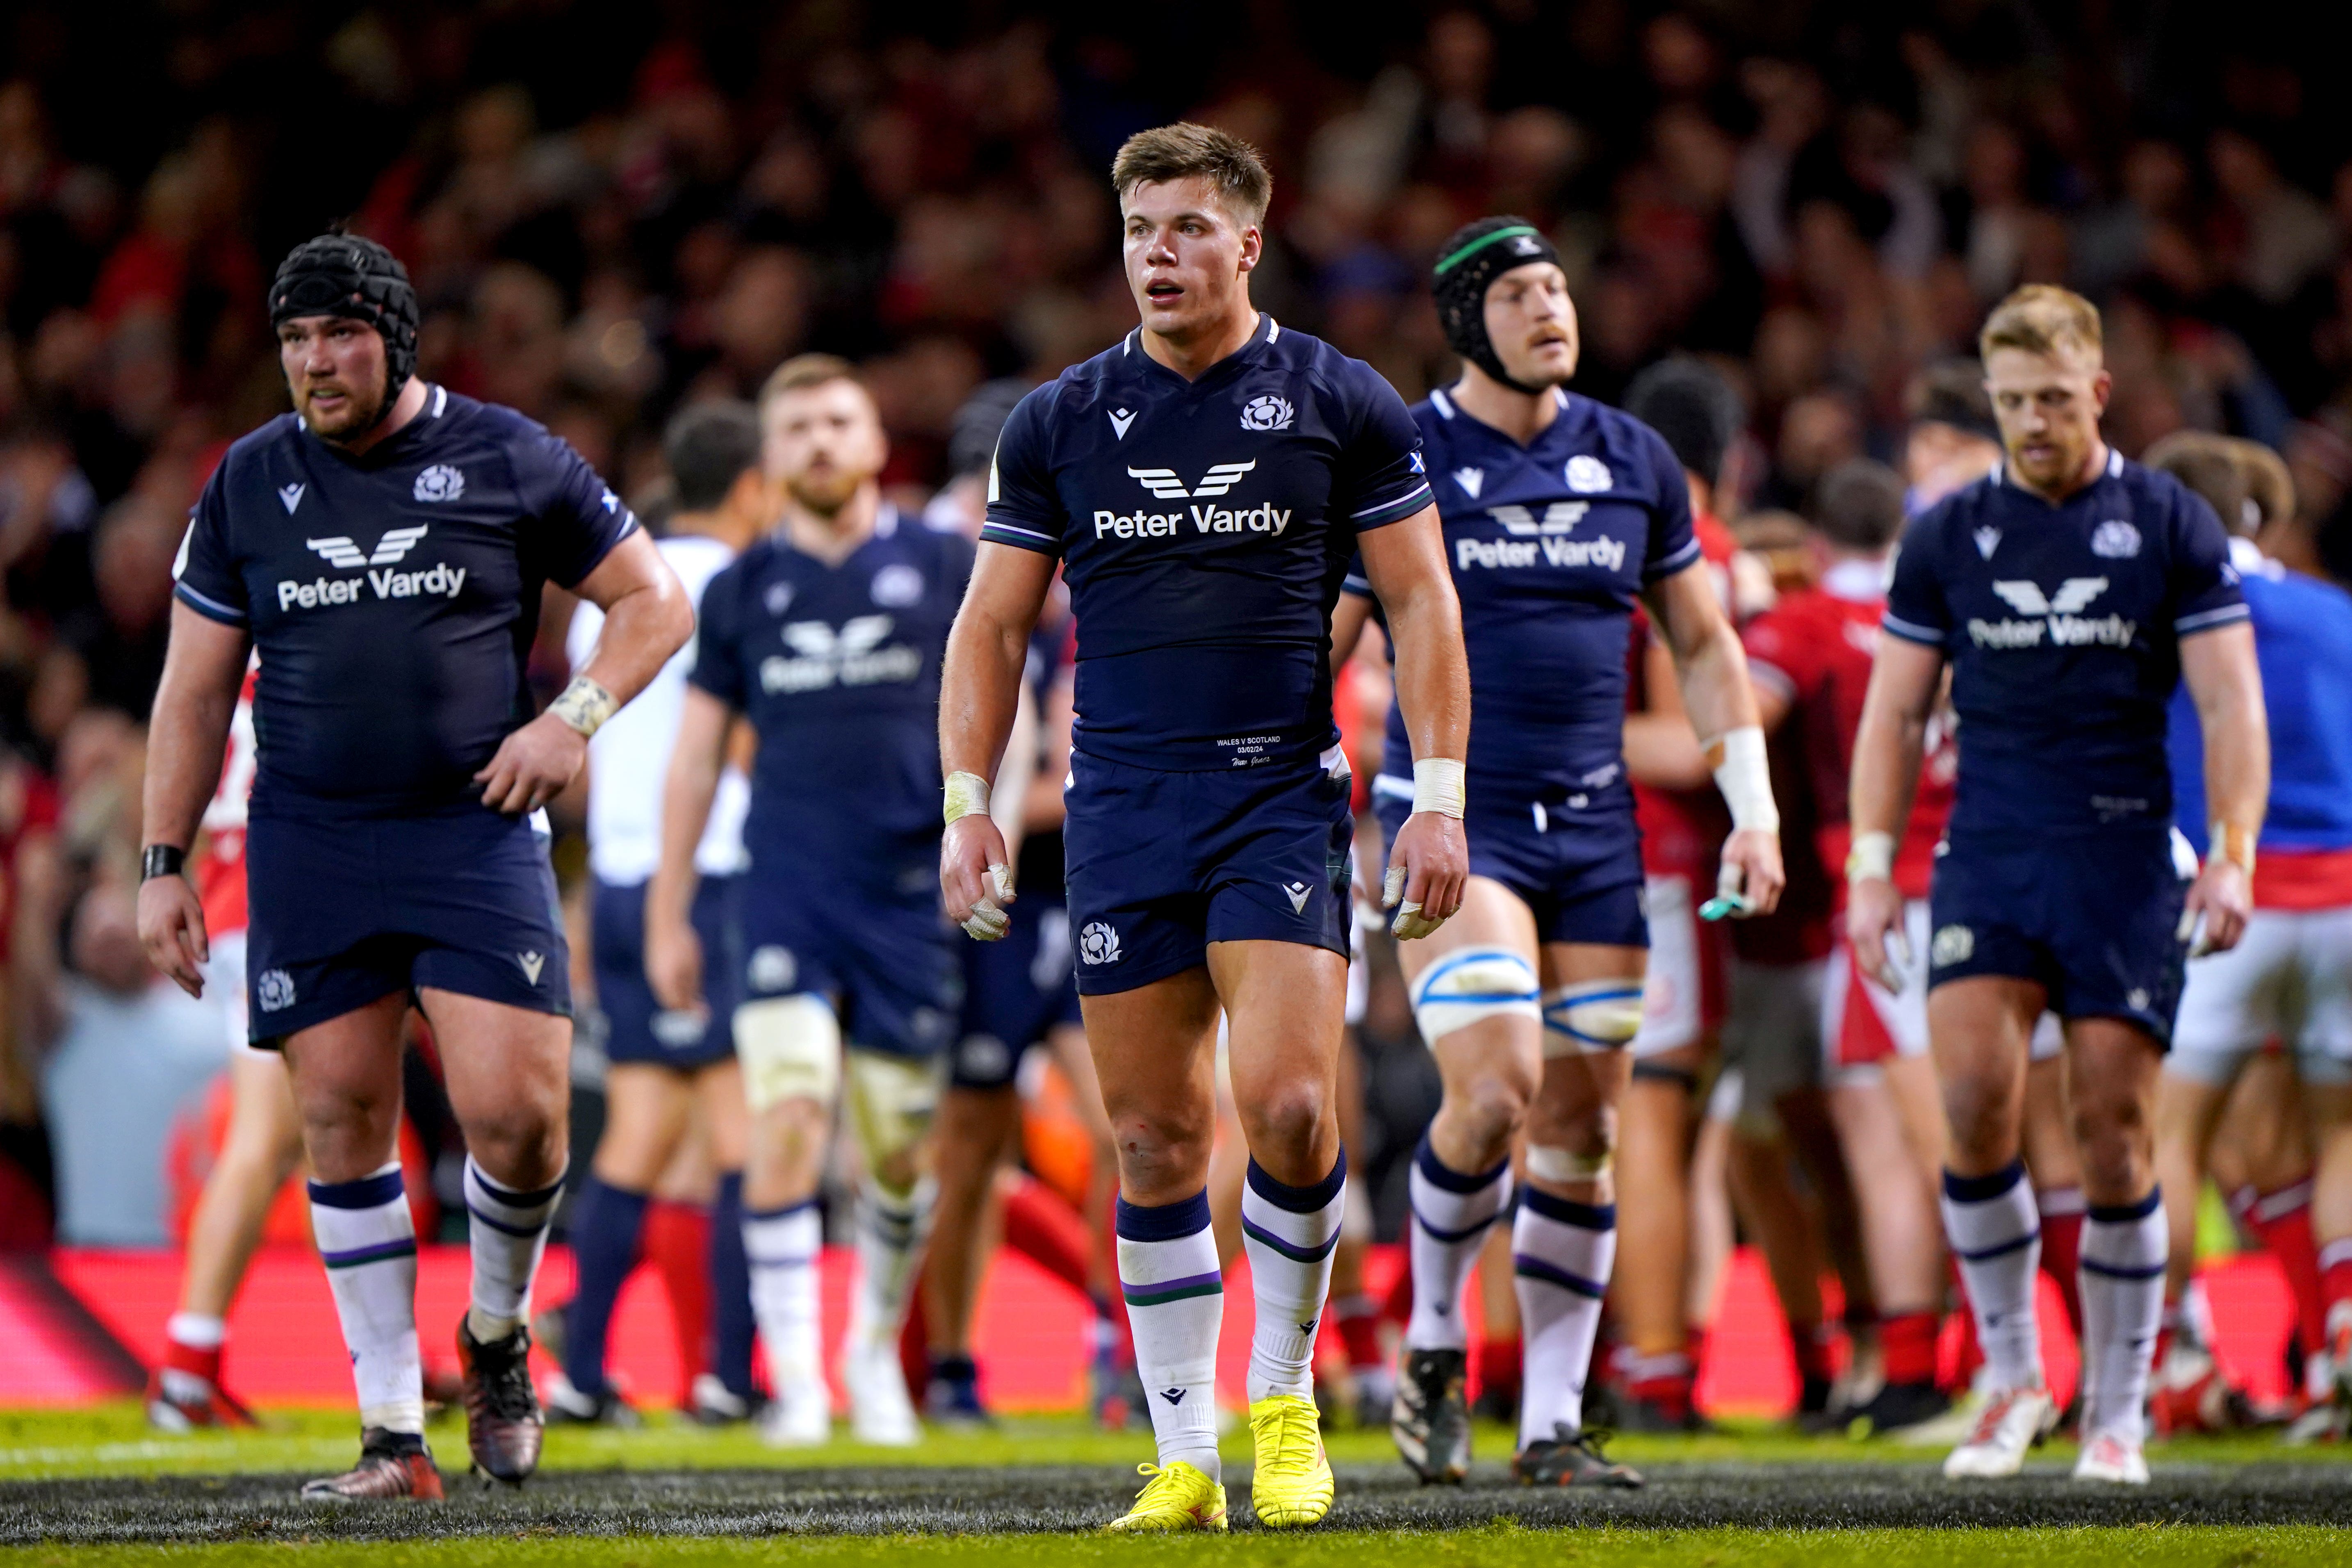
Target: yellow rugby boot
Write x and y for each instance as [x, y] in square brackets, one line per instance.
[1292, 1484]
[1177, 1497]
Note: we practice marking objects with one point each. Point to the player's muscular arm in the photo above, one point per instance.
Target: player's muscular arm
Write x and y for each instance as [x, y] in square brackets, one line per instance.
[980, 692]
[1711, 671]
[201, 670]
[646, 619]
[673, 953]
[1430, 865]
[1905, 680]
[2226, 684]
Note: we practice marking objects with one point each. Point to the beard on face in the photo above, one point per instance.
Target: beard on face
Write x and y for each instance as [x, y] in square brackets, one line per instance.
[361, 411]
[823, 491]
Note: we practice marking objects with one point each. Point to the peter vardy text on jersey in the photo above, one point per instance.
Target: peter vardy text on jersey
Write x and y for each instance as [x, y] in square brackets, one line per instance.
[442, 581]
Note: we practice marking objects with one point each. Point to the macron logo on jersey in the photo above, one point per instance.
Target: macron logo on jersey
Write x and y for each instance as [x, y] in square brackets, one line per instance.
[2059, 621]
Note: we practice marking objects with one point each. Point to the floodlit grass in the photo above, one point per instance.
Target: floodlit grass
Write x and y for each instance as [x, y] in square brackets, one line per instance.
[1504, 1543]
[113, 1439]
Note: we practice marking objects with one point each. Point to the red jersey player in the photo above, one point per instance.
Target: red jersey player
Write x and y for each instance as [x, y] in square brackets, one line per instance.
[1809, 657]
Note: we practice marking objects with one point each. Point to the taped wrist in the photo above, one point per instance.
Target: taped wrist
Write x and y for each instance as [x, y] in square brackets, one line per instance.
[1437, 786]
[2233, 841]
[584, 705]
[1745, 777]
[967, 795]
[1873, 855]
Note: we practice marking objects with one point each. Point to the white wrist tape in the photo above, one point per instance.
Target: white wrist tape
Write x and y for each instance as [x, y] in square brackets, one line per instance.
[1437, 786]
[967, 795]
[1744, 778]
[584, 705]
[2232, 841]
[1873, 855]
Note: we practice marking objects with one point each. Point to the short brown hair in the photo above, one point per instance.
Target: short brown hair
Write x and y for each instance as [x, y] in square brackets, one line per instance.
[2205, 463]
[2043, 318]
[1182, 150]
[802, 371]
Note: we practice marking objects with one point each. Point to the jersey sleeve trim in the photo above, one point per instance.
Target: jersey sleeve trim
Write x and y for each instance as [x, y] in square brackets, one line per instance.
[995, 533]
[1396, 510]
[1680, 559]
[2207, 620]
[1926, 637]
[210, 609]
[1360, 586]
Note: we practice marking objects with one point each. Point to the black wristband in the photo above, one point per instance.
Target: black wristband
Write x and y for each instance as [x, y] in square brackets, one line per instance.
[161, 860]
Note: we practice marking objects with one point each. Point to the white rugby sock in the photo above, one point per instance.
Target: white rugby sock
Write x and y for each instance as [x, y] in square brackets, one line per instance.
[1288, 1233]
[1995, 1231]
[1561, 1255]
[781, 1247]
[368, 1243]
[2121, 1274]
[506, 1232]
[1175, 1300]
[1451, 1213]
[891, 1229]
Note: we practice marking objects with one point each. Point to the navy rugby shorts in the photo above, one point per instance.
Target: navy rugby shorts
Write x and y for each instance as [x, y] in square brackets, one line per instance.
[1017, 991]
[347, 910]
[1160, 865]
[2094, 918]
[641, 1030]
[887, 963]
[1577, 868]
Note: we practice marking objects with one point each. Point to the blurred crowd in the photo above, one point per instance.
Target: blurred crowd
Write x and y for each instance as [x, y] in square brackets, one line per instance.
[610, 212]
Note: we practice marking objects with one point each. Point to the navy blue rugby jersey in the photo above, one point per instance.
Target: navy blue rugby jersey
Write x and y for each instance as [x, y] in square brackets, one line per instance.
[2062, 625]
[838, 669]
[393, 596]
[1550, 544]
[1204, 527]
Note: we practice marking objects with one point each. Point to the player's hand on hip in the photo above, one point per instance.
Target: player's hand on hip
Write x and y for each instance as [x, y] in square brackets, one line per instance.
[2218, 901]
[1428, 869]
[1874, 918]
[171, 930]
[674, 963]
[975, 883]
[532, 766]
[1751, 872]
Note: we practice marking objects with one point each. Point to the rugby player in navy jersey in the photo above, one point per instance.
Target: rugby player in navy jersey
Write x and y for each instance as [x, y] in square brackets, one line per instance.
[827, 634]
[2069, 591]
[383, 549]
[1204, 483]
[1559, 514]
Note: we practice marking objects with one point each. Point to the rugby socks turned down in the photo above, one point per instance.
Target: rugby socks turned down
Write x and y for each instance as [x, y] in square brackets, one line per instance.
[781, 1248]
[1175, 1300]
[1288, 1233]
[1561, 1255]
[1452, 1212]
[606, 1224]
[368, 1243]
[506, 1232]
[1994, 1230]
[2124, 1250]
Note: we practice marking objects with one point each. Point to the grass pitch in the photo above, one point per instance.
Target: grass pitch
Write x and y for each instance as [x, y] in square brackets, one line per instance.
[95, 1486]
